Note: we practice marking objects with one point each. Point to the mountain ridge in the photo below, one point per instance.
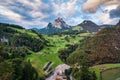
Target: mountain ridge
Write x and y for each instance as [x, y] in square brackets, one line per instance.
[59, 26]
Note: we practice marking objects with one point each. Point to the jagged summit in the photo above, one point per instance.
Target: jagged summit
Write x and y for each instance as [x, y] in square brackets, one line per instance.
[58, 23]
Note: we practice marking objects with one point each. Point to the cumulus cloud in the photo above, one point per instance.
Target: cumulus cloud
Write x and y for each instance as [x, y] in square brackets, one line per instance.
[38, 13]
[62, 8]
[93, 5]
[105, 18]
[9, 14]
[24, 12]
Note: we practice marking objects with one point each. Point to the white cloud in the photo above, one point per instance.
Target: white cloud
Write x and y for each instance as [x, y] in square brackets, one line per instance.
[32, 24]
[74, 20]
[64, 8]
[69, 7]
[36, 4]
[33, 9]
[10, 14]
[104, 17]
[29, 13]
[93, 5]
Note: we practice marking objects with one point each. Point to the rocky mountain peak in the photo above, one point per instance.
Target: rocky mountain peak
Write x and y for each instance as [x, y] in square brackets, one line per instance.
[58, 23]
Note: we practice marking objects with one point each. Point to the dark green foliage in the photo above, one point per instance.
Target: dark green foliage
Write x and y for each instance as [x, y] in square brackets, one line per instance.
[29, 73]
[68, 73]
[77, 58]
[67, 39]
[6, 70]
[17, 52]
[3, 54]
[15, 45]
[26, 40]
[17, 65]
[13, 38]
[64, 54]
[81, 70]
[94, 77]
[17, 69]
[11, 25]
[83, 74]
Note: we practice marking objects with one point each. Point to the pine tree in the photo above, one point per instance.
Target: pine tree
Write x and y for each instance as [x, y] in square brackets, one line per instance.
[29, 73]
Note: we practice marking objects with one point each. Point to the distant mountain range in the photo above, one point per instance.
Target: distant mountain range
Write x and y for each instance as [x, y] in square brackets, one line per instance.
[59, 26]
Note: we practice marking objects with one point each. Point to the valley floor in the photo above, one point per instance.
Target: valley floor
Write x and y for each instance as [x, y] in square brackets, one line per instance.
[50, 53]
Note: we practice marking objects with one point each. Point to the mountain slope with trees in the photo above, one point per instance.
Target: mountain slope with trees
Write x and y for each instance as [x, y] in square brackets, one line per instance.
[103, 47]
[16, 36]
[16, 43]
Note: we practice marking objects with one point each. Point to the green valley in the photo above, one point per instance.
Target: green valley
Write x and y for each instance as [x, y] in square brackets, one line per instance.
[59, 39]
[50, 52]
[89, 55]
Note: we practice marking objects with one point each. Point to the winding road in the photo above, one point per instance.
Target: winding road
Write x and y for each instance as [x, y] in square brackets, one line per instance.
[58, 72]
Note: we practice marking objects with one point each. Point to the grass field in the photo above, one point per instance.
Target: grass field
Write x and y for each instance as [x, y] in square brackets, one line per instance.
[112, 74]
[50, 53]
[106, 66]
[26, 31]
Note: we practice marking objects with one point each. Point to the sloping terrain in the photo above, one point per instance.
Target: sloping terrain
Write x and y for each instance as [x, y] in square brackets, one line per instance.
[16, 36]
[103, 47]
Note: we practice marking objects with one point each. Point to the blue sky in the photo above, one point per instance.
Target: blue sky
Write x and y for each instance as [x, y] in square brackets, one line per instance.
[38, 13]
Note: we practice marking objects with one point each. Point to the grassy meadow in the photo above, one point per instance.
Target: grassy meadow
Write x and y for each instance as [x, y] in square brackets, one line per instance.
[50, 53]
[98, 68]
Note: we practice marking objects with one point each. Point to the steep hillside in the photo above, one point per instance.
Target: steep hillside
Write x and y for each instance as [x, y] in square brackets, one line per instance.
[89, 26]
[16, 43]
[103, 47]
[16, 36]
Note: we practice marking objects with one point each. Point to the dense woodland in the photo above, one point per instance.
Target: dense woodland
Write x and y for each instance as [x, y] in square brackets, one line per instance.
[15, 68]
[14, 47]
[14, 38]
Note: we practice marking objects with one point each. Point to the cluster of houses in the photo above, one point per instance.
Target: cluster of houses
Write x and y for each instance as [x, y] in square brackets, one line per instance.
[59, 73]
